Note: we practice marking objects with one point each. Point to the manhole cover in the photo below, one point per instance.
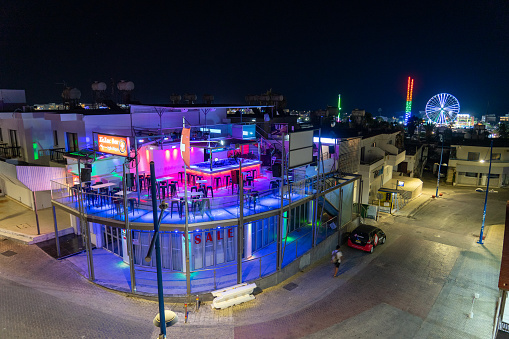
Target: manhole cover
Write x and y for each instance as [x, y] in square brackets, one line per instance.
[8, 253]
[290, 286]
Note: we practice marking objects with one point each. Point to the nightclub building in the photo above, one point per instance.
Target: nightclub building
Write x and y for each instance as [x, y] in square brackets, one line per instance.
[293, 195]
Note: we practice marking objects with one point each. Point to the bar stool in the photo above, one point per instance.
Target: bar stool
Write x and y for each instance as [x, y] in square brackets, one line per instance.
[182, 204]
[132, 202]
[194, 188]
[163, 185]
[181, 177]
[211, 192]
[175, 202]
[173, 189]
[141, 179]
[74, 190]
[204, 202]
[218, 181]
[103, 195]
[249, 181]
[202, 190]
[176, 183]
[118, 205]
[227, 180]
[147, 180]
[255, 196]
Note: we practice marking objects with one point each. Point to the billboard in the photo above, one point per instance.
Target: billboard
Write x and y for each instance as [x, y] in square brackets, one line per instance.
[112, 144]
[301, 149]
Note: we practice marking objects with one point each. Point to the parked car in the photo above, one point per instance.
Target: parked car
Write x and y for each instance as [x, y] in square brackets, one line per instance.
[366, 238]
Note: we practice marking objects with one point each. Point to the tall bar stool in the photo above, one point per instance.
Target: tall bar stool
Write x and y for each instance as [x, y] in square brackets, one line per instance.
[173, 189]
[175, 202]
[218, 182]
[227, 180]
[176, 183]
[181, 177]
[141, 180]
[132, 202]
[211, 192]
[163, 185]
[194, 188]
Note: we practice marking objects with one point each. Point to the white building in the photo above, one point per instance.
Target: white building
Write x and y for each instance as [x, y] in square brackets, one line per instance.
[469, 164]
[379, 159]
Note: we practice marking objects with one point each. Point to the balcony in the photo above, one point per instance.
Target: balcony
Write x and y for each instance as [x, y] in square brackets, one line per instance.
[10, 152]
[395, 159]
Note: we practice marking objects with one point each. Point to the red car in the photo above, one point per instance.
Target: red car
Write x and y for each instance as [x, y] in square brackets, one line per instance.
[366, 238]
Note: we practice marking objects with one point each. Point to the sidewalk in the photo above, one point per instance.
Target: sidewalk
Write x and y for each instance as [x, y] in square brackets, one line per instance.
[18, 222]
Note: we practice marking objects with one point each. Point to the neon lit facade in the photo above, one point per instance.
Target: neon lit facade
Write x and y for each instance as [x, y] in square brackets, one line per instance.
[409, 93]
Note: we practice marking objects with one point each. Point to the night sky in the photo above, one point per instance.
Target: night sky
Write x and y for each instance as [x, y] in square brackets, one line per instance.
[308, 51]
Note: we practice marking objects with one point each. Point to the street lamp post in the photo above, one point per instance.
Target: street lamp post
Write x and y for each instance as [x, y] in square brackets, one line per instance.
[486, 197]
[440, 164]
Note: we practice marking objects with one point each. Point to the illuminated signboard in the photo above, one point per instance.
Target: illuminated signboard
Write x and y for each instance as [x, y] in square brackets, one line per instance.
[113, 145]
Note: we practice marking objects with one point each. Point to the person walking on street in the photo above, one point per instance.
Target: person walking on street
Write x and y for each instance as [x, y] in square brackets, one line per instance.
[337, 256]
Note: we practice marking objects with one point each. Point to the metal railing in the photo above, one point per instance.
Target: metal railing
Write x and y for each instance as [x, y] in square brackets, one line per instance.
[200, 208]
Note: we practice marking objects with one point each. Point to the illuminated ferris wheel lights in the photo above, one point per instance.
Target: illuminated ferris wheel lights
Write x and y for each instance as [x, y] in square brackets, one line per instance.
[442, 109]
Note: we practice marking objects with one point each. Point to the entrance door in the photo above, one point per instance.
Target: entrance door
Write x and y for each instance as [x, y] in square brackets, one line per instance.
[112, 237]
[482, 179]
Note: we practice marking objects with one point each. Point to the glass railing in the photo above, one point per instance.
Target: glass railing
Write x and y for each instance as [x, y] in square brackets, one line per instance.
[326, 229]
[294, 248]
[200, 208]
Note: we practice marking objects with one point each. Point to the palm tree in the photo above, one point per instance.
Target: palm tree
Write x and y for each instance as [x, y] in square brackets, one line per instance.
[428, 127]
[503, 133]
[413, 124]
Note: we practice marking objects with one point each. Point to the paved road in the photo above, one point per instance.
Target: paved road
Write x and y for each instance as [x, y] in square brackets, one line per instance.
[418, 285]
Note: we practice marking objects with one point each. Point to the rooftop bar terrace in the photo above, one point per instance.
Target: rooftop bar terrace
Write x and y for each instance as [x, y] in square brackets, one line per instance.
[249, 216]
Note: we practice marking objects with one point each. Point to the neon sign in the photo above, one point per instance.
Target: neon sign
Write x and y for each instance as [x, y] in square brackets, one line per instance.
[113, 144]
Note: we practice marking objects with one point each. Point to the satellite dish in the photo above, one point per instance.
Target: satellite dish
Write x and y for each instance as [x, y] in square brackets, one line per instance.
[125, 85]
[98, 86]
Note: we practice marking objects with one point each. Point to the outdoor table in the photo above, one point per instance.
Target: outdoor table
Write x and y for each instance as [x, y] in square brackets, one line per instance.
[164, 179]
[121, 193]
[189, 194]
[202, 182]
[108, 184]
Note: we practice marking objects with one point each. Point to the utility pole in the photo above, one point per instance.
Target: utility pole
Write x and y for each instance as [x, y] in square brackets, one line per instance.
[486, 197]
[440, 164]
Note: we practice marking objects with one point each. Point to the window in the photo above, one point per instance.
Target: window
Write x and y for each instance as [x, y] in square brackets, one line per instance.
[72, 142]
[473, 156]
[1, 136]
[494, 176]
[471, 174]
[55, 138]
[495, 156]
[13, 137]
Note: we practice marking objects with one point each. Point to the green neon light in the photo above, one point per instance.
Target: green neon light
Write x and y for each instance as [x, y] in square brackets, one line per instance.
[408, 107]
[285, 224]
[36, 153]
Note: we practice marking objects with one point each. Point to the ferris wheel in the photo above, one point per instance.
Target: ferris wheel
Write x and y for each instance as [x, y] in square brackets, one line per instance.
[442, 109]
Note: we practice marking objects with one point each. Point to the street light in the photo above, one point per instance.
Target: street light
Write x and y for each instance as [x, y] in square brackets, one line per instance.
[440, 164]
[486, 197]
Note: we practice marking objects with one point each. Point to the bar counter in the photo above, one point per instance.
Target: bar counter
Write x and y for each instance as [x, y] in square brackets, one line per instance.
[222, 169]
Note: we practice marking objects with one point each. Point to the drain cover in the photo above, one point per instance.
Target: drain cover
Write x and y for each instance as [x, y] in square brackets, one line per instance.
[8, 253]
[290, 286]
